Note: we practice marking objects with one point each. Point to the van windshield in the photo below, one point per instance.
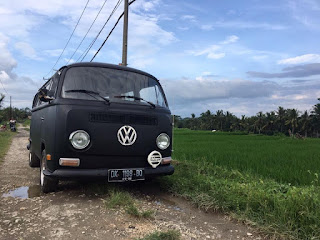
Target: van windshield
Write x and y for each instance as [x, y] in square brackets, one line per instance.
[110, 84]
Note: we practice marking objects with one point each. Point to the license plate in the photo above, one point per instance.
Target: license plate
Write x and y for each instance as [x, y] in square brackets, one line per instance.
[123, 175]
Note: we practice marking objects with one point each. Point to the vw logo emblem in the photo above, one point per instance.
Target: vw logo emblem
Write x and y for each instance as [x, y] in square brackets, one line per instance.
[127, 135]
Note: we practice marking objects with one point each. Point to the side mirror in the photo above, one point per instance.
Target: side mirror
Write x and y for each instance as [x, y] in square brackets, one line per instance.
[43, 95]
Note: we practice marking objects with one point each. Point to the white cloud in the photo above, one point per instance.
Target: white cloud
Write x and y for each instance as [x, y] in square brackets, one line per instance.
[205, 87]
[53, 52]
[183, 28]
[307, 58]
[306, 12]
[213, 55]
[190, 18]
[206, 27]
[27, 50]
[12, 82]
[238, 96]
[248, 25]
[259, 57]
[146, 36]
[215, 51]
[7, 62]
[230, 39]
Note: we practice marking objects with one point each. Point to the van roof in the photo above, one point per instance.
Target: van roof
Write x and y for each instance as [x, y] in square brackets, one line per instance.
[107, 65]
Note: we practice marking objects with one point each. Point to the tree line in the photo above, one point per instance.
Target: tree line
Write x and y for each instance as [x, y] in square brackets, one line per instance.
[18, 114]
[280, 121]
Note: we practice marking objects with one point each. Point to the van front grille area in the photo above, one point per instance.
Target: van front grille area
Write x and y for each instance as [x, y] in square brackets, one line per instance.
[123, 118]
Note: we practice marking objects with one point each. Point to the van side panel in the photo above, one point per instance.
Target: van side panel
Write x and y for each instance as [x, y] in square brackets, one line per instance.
[48, 130]
[43, 128]
[35, 127]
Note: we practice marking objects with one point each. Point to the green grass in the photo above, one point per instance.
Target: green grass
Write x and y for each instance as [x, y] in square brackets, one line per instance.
[26, 122]
[5, 141]
[119, 198]
[169, 235]
[135, 212]
[283, 159]
[263, 180]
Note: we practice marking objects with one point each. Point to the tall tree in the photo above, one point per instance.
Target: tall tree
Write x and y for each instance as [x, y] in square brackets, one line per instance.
[305, 123]
[219, 117]
[281, 116]
[316, 118]
[292, 121]
[269, 121]
[260, 121]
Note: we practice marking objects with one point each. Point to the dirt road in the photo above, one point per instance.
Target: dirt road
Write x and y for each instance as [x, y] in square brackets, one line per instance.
[77, 210]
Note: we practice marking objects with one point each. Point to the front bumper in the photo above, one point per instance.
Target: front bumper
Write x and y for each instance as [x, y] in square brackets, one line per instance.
[103, 173]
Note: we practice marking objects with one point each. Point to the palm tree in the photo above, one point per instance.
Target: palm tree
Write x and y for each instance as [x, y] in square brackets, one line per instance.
[270, 120]
[316, 118]
[281, 114]
[219, 116]
[259, 122]
[244, 125]
[305, 123]
[293, 115]
[206, 120]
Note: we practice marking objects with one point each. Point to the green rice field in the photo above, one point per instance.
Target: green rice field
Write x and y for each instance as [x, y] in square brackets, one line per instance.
[283, 159]
[267, 181]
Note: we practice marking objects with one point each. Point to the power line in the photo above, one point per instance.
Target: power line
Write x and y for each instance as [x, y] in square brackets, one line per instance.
[87, 31]
[69, 38]
[110, 33]
[94, 40]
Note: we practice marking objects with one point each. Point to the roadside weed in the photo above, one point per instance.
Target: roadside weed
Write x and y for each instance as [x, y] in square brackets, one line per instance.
[119, 198]
[5, 141]
[134, 211]
[169, 235]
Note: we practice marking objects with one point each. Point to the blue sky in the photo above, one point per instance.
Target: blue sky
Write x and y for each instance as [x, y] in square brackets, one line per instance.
[241, 56]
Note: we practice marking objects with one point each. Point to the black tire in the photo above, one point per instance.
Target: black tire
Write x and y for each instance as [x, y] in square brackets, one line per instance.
[47, 184]
[34, 161]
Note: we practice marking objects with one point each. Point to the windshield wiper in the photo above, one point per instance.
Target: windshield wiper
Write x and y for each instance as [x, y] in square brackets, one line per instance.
[136, 98]
[89, 92]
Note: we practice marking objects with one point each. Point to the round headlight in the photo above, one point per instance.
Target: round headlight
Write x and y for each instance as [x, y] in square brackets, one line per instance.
[163, 141]
[79, 139]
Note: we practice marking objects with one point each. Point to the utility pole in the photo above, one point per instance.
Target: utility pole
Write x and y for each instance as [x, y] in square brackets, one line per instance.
[10, 109]
[125, 34]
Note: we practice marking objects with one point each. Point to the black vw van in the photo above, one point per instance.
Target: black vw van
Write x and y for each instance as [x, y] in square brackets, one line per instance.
[100, 120]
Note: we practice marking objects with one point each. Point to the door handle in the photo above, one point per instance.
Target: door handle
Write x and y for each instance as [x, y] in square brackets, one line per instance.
[42, 118]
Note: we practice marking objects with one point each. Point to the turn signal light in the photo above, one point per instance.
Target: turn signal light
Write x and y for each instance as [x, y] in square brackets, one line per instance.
[69, 162]
[166, 160]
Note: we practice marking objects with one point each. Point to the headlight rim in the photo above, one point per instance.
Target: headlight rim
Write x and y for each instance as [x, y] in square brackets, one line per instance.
[158, 141]
[79, 131]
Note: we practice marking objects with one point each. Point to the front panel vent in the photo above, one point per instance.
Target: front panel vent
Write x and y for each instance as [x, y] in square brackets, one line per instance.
[123, 118]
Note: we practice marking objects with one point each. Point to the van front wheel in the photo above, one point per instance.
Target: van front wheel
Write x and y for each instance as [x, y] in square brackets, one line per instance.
[47, 184]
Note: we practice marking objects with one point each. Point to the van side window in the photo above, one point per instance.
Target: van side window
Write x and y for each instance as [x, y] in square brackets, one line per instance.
[53, 86]
[48, 87]
[35, 101]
